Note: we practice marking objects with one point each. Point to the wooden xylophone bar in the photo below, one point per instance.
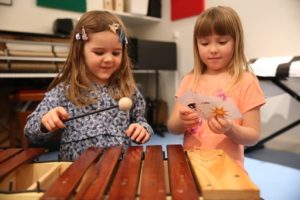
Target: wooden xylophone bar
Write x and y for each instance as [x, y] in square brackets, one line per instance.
[9, 162]
[110, 174]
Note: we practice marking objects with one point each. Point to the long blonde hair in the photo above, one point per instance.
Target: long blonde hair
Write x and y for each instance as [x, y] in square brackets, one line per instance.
[74, 73]
[220, 20]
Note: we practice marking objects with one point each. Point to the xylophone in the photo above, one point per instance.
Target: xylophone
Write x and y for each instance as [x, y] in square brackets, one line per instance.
[133, 174]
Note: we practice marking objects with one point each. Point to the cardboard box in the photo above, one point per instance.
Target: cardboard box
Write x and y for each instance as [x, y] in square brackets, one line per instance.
[94, 5]
[119, 5]
[108, 4]
[139, 7]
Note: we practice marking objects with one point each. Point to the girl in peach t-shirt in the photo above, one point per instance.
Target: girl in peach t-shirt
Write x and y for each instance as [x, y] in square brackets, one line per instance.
[221, 69]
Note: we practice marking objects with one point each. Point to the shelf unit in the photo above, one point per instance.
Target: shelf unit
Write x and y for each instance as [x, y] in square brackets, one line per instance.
[14, 74]
[53, 40]
[23, 57]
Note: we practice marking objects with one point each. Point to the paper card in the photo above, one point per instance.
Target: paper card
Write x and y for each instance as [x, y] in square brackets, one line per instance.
[209, 106]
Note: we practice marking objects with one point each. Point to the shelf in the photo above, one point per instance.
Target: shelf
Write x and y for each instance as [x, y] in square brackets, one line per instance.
[135, 20]
[52, 75]
[34, 42]
[27, 75]
[42, 59]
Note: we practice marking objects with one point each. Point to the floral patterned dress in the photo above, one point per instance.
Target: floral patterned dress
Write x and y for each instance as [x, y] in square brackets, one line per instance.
[103, 129]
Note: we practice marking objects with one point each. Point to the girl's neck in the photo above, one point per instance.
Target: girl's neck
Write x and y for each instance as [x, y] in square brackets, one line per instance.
[213, 75]
[224, 70]
[216, 80]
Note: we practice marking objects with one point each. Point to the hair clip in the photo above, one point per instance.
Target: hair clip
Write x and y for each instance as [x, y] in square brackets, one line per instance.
[122, 37]
[114, 27]
[82, 35]
[77, 36]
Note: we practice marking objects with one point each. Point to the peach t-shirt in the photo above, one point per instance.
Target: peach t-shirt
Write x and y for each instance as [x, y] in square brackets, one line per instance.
[247, 94]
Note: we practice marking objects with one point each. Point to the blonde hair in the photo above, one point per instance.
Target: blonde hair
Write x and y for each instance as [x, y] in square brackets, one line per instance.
[220, 20]
[74, 73]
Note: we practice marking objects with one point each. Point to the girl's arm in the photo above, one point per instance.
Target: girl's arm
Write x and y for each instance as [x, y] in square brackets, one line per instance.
[247, 133]
[139, 129]
[33, 128]
[174, 123]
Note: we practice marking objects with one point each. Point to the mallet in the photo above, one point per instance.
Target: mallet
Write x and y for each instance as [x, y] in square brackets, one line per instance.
[124, 104]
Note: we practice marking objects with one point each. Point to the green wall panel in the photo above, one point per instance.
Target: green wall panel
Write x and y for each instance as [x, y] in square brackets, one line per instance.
[72, 5]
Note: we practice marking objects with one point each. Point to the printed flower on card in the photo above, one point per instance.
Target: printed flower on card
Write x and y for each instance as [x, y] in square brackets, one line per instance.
[220, 112]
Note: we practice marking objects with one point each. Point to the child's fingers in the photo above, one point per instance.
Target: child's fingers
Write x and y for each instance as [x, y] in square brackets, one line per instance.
[48, 126]
[133, 131]
[183, 110]
[53, 120]
[62, 113]
[130, 130]
[57, 121]
[221, 120]
[146, 137]
[211, 125]
[52, 123]
[59, 117]
[137, 133]
[46, 121]
[219, 124]
[189, 118]
[143, 136]
[224, 123]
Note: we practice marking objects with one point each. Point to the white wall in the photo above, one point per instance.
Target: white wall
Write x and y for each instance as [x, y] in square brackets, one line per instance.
[27, 17]
[272, 28]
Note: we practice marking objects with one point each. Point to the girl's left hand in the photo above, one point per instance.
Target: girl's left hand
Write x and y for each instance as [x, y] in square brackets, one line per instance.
[137, 133]
[219, 125]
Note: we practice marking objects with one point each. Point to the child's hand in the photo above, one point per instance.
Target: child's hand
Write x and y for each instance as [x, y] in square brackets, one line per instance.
[189, 117]
[219, 125]
[53, 120]
[137, 133]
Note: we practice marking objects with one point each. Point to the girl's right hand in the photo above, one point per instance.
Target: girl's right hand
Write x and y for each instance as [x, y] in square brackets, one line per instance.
[54, 119]
[189, 117]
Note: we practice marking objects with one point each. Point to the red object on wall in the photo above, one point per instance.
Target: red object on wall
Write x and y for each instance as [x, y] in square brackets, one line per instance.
[186, 8]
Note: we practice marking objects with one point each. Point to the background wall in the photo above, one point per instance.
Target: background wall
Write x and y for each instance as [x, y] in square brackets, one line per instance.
[272, 28]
